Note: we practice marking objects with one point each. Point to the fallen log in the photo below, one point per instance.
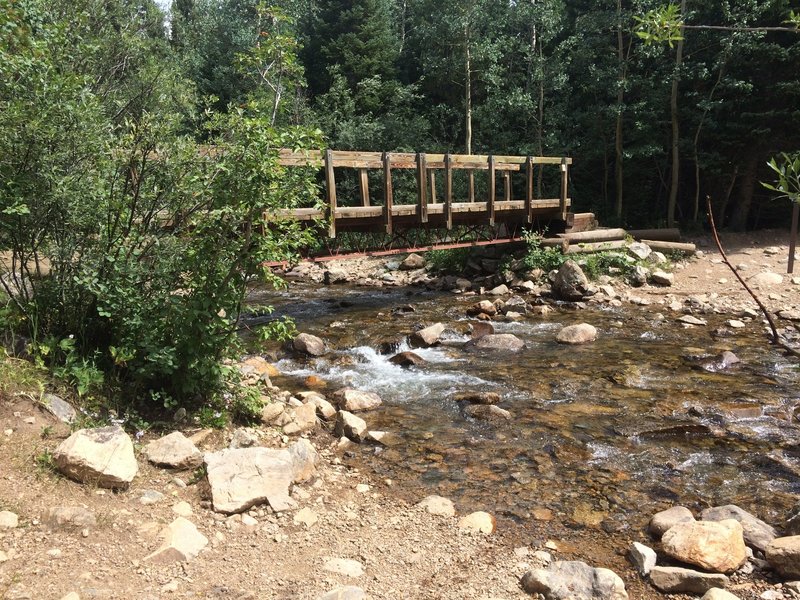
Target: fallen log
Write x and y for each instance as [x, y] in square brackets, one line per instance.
[595, 235]
[670, 246]
[589, 247]
[661, 235]
[555, 243]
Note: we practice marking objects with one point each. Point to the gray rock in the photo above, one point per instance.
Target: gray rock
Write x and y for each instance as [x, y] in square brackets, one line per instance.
[784, 555]
[304, 460]
[271, 412]
[102, 457]
[483, 307]
[677, 580]
[412, 262]
[500, 290]
[662, 278]
[59, 408]
[180, 542]
[348, 592]
[574, 580]
[491, 413]
[438, 505]
[757, 533]
[427, 336]
[350, 426]
[507, 342]
[581, 333]
[304, 418]
[639, 250]
[246, 437]
[174, 450]
[642, 557]
[66, 517]
[241, 478]
[692, 320]
[711, 545]
[570, 282]
[639, 275]
[718, 594]
[309, 344]
[151, 497]
[353, 400]
[666, 519]
[334, 275]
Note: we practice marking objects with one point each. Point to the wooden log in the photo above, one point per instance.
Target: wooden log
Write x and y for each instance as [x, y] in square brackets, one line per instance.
[448, 191]
[492, 182]
[363, 185]
[388, 194]
[660, 246]
[422, 188]
[330, 193]
[595, 235]
[662, 235]
[562, 245]
[591, 247]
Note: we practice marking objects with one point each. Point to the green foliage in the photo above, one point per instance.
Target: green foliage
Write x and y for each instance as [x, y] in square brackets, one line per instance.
[45, 462]
[539, 257]
[448, 261]
[663, 24]
[787, 176]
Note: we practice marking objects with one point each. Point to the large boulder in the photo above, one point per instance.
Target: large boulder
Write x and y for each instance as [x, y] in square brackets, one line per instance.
[174, 450]
[427, 336]
[574, 580]
[581, 333]
[570, 282]
[102, 457]
[675, 580]
[305, 343]
[353, 400]
[784, 555]
[506, 342]
[757, 533]
[244, 477]
[714, 546]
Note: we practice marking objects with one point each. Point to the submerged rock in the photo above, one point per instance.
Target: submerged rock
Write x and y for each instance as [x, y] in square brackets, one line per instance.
[507, 342]
[477, 397]
[489, 413]
[577, 334]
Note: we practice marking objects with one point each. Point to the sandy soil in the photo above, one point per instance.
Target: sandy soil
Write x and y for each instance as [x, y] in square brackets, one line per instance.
[405, 552]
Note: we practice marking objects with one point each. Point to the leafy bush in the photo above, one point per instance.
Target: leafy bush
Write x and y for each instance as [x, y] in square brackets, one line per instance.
[448, 261]
[539, 257]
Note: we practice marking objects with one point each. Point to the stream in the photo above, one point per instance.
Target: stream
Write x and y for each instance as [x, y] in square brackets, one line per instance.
[601, 434]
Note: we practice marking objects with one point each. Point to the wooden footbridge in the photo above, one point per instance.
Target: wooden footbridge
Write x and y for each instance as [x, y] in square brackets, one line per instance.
[432, 201]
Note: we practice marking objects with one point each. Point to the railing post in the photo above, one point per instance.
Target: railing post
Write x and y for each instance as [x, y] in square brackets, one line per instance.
[422, 188]
[448, 190]
[387, 192]
[564, 183]
[330, 191]
[471, 190]
[490, 203]
[432, 178]
[529, 188]
[363, 184]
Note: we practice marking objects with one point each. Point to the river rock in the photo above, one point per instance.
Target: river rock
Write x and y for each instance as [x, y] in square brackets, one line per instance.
[181, 542]
[351, 426]
[65, 517]
[506, 342]
[721, 362]
[639, 275]
[480, 329]
[304, 460]
[478, 522]
[484, 307]
[325, 410]
[427, 336]
[757, 533]
[304, 418]
[477, 397]
[174, 450]
[353, 400]
[412, 262]
[59, 408]
[784, 555]
[718, 594]
[311, 345]
[765, 279]
[666, 519]
[577, 334]
[574, 580]
[103, 457]
[691, 320]
[347, 592]
[486, 412]
[662, 278]
[643, 558]
[438, 505]
[271, 412]
[244, 477]
[677, 580]
[570, 282]
[711, 545]
[500, 290]
[334, 275]
[407, 359]
[8, 520]
[639, 251]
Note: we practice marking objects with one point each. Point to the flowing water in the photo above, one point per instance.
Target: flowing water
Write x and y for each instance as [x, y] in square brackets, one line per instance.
[625, 425]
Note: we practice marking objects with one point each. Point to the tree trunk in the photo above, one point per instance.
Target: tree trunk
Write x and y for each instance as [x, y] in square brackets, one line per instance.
[741, 210]
[467, 92]
[618, 173]
[673, 104]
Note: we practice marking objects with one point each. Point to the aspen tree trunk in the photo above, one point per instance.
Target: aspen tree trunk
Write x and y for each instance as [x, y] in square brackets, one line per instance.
[673, 104]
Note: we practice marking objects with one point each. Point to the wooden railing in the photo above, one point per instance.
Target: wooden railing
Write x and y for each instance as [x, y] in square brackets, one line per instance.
[427, 209]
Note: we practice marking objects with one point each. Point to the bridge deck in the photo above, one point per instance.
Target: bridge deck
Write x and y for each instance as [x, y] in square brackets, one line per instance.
[427, 211]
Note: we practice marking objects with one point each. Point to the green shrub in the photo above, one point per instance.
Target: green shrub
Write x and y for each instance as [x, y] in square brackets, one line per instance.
[539, 257]
[453, 260]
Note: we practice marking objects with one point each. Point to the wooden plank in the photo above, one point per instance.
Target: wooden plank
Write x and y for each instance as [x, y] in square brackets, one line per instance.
[432, 178]
[507, 191]
[422, 188]
[330, 190]
[448, 191]
[492, 182]
[388, 194]
[363, 186]
[529, 188]
[564, 184]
